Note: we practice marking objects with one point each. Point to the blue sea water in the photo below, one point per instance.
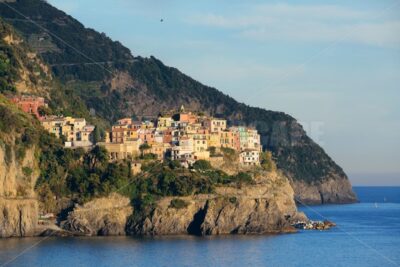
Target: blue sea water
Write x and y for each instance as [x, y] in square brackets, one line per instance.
[368, 234]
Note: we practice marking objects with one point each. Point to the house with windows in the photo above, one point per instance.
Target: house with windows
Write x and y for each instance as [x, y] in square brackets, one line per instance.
[215, 125]
[30, 104]
[75, 131]
[184, 136]
[250, 157]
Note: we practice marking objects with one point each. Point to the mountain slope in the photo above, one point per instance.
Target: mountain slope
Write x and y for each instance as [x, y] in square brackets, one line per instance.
[124, 85]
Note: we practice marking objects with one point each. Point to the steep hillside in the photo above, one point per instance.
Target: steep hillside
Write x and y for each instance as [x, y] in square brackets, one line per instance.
[18, 171]
[121, 84]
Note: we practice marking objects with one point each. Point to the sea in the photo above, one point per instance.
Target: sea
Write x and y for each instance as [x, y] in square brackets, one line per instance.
[367, 234]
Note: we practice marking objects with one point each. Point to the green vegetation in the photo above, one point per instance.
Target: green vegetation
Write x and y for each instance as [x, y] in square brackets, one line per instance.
[16, 123]
[8, 62]
[177, 203]
[78, 175]
[242, 178]
[27, 171]
[267, 162]
[148, 156]
[202, 165]
[144, 146]
[232, 200]
[229, 154]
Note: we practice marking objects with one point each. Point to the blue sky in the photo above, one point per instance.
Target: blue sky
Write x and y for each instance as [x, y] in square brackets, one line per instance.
[333, 65]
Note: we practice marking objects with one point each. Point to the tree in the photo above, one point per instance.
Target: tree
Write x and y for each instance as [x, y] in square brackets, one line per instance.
[242, 178]
[202, 165]
[97, 157]
[97, 135]
[46, 198]
[44, 111]
[143, 148]
[267, 163]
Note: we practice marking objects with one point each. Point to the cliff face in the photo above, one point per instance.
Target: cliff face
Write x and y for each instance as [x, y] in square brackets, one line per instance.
[18, 217]
[250, 210]
[103, 216]
[18, 206]
[265, 207]
[145, 86]
[331, 191]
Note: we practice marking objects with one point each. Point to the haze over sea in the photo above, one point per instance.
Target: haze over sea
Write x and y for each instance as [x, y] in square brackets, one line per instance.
[368, 234]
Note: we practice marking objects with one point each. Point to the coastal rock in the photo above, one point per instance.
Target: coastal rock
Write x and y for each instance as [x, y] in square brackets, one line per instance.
[265, 207]
[328, 191]
[102, 216]
[18, 217]
[18, 206]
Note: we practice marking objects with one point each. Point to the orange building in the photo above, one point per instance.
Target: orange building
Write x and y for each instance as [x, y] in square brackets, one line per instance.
[124, 121]
[146, 135]
[167, 136]
[230, 139]
[188, 117]
[121, 134]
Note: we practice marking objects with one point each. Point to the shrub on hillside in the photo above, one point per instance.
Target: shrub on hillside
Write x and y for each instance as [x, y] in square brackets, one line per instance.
[202, 165]
[177, 203]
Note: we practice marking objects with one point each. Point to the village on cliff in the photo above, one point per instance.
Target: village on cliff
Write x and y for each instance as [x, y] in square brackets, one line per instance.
[182, 135]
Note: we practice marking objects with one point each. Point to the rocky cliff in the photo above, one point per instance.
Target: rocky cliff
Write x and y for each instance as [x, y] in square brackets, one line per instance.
[18, 205]
[103, 216]
[264, 207]
[337, 190]
[18, 217]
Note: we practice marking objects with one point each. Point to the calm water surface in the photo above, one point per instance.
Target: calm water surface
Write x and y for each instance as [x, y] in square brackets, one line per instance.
[368, 234]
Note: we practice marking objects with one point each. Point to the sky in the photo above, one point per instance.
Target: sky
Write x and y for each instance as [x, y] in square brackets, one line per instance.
[333, 65]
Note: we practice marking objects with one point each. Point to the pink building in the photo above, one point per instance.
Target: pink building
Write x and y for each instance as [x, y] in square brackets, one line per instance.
[30, 104]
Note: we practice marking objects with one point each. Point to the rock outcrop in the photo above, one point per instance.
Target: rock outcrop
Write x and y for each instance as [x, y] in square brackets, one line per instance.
[103, 216]
[18, 206]
[324, 192]
[18, 217]
[265, 207]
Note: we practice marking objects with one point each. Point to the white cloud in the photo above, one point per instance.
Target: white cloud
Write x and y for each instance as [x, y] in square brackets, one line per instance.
[309, 24]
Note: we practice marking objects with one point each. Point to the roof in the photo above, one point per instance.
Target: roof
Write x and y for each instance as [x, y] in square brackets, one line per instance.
[249, 150]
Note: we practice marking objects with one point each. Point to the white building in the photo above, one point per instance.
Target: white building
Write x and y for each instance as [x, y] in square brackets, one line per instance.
[250, 157]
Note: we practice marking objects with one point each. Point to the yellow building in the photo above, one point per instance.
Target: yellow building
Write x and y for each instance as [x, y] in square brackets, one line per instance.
[121, 135]
[200, 143]
[118, 151]
[164, 122]
[53, 125]
[214, 140]
[203, 155]
[160, 149]
[136, 167]
[75, 130]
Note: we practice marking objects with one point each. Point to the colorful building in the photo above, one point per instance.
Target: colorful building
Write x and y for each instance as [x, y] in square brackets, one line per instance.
[250, 157]
[215, 125]
[30, 104]
[119, 151]
[185, 137]
[75, 131]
